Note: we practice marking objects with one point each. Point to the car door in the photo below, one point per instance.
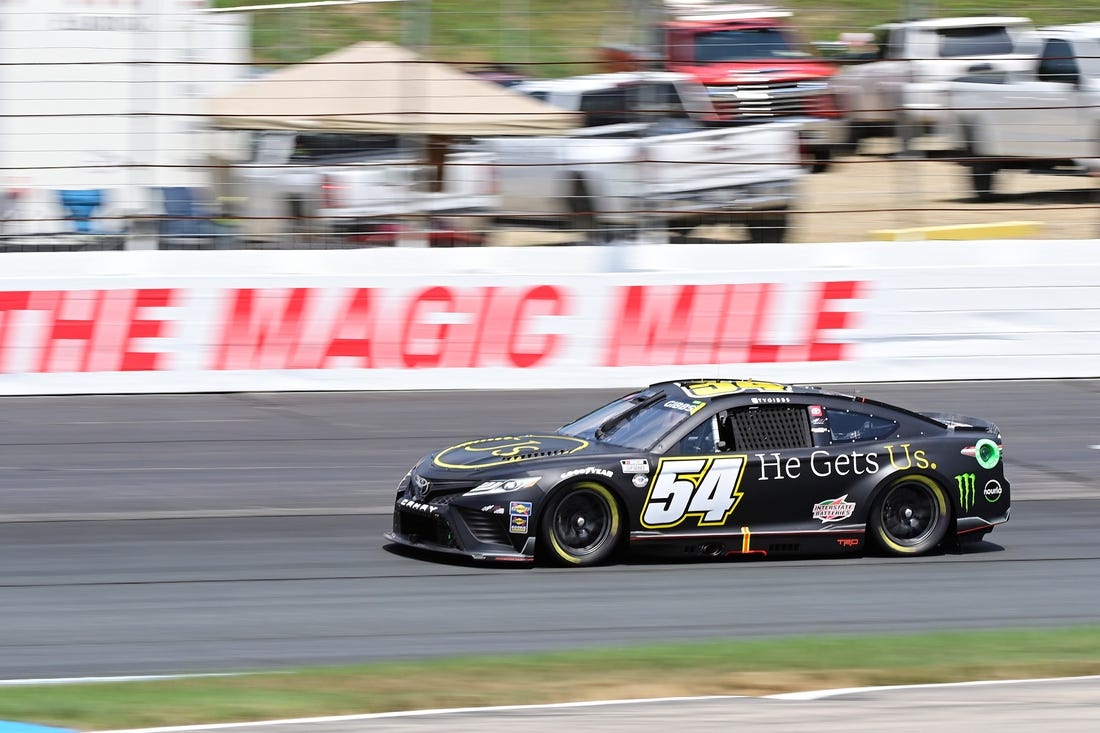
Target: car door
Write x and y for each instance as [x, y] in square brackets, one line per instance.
[746, 466]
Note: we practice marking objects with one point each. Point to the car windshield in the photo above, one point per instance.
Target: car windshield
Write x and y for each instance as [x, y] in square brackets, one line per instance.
[635, 421]
[746, 45]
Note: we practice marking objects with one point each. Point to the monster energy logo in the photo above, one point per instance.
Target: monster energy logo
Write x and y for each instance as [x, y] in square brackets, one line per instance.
[967, 492]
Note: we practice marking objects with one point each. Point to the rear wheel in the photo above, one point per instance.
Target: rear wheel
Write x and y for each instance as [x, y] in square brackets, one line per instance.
[910, 516]
[982, 172]
[582, 525]
[768, 227]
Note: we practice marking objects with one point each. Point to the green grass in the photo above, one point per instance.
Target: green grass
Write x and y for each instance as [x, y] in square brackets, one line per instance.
[715, 668]
[555, 37]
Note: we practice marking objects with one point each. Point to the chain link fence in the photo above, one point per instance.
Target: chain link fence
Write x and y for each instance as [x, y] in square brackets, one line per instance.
[182, 124]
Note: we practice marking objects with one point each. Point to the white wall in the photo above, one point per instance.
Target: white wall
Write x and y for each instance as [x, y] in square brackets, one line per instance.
[539, 317]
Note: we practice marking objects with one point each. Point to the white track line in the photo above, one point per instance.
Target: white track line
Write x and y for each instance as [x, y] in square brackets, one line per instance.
[788, 696]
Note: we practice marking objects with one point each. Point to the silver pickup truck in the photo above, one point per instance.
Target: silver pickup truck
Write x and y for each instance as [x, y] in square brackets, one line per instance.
[1044, 118]
[897, 84]
[642, 161]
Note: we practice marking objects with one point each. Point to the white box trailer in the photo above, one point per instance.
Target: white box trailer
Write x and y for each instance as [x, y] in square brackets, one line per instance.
[104, 99]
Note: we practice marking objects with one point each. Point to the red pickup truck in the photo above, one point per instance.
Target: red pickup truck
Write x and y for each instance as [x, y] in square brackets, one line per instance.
[754, 64]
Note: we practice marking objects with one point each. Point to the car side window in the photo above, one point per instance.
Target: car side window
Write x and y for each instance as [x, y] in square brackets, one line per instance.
[700, 441]
[1058, 62]
[848, 426]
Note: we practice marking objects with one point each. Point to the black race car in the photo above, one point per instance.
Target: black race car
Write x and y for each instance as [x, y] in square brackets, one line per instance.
[712, 468]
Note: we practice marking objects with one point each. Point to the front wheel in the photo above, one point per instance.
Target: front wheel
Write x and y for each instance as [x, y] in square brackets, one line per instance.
[910, 516]
[581, 526]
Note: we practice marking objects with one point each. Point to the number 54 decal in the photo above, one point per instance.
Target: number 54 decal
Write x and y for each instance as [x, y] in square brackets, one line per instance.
[707, 488]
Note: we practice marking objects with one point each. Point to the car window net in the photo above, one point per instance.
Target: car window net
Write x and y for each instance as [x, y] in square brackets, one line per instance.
[771, 428]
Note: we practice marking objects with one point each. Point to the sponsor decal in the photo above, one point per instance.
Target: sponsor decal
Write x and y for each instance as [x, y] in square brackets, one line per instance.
[822, 463]
[817, 411]
[903, 459]
[485, 452]
[640, 480]
[715, 387]
[421, 486]
[517, 524]
[966, 483]
[417, 506]
[847, 542]
[689, 407]
[768, 400]
[992, 491]
[489, 507]
[833, 510]
[634, 465]
[588, 471]
[519, 508]
[707, 489]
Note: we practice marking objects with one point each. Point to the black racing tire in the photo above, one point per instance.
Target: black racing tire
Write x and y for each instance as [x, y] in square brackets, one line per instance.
[910, 516]
[582, 525]
[768, 227]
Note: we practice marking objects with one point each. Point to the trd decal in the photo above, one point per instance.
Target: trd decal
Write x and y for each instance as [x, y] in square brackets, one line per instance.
[705, 488]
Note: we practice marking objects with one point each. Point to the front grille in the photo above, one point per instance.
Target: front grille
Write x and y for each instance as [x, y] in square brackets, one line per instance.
[486, 527]
[763, 101]
[437, 488]
[423, 528]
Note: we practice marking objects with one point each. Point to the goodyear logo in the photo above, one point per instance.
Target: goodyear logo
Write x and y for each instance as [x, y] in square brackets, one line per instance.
[966, 483]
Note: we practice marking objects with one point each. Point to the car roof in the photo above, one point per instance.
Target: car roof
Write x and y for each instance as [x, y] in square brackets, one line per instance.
[969, 21]
[595, 82]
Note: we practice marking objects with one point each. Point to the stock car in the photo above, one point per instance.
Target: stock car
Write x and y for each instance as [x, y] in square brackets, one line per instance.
[712, 468]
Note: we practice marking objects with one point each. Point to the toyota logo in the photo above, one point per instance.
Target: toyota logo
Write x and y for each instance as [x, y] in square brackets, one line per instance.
[421, 486]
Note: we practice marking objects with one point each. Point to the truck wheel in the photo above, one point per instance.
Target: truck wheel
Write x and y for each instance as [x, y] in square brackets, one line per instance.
[768, 227]
[982, 172]
[822, 160]
[582, 213]
[982, 176]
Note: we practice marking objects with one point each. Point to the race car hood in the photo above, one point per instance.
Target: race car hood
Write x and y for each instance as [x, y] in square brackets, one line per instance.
[513, 451]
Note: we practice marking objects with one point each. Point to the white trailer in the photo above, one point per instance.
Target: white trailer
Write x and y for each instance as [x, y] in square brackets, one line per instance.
[104, 99]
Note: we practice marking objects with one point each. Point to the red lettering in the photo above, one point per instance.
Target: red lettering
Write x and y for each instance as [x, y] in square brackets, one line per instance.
[136, 327]
[351, 334]
[426, 329]
[648, 328]
[702, 327]
[523, 351]
[67, 346]
[742, 322]
[828, 319]
[727, 324]
[10, 302]
[262, 328]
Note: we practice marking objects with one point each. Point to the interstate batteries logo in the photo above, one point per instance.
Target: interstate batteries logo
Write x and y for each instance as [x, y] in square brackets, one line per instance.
[833, 510]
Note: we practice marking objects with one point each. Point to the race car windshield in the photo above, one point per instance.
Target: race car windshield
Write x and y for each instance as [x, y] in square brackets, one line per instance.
[636, 421]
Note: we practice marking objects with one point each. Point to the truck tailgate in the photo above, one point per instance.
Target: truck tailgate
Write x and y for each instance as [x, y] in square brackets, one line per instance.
[721, 158]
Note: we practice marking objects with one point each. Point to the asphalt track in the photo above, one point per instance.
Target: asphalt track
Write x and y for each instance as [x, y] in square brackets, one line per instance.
[143, 535]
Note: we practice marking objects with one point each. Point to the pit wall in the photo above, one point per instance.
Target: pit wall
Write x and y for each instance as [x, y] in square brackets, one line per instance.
[546, 317]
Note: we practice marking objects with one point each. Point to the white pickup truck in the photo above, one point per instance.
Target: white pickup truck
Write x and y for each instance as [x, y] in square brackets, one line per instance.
[362, 188]
[898, 84]
[1045, 118]
[642, 161]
